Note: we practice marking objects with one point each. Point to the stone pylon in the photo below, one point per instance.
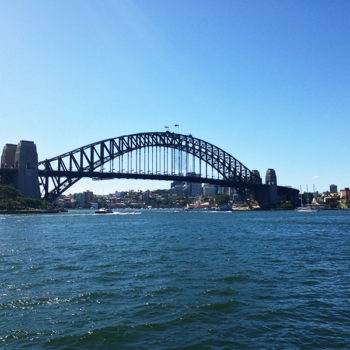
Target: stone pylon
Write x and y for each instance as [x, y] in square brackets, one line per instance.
[26, 161]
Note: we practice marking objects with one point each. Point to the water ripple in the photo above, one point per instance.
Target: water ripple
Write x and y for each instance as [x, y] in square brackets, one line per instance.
[170, 280]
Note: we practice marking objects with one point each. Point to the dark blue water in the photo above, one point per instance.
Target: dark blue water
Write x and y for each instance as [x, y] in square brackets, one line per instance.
[175, 280]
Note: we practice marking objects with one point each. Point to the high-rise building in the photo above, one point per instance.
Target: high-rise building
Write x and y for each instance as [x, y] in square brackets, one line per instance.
[333, 188]
[178, 190]
[145, 196]
[345, 193]
[226, 190]
[89, 196]
[176, 183]
[195, 187]
[84, 198]
[210, 190]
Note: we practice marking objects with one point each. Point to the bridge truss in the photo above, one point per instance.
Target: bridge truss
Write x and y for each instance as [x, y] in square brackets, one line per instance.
[152, 155]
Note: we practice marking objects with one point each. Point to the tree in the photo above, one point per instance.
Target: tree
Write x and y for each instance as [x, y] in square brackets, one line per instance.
[11, 199]
[286, 205]
[222, 199]
[331, 205]
[9, 192]
[307, 197]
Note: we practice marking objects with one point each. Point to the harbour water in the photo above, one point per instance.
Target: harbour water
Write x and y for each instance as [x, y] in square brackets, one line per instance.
[175, 280]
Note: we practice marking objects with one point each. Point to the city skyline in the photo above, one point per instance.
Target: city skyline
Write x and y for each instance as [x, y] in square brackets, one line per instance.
[267, 82]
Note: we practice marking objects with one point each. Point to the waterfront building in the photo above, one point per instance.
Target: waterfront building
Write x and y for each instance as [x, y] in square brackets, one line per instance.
[119, 194]
[145, 196]
[186, 189]
[94, 205]
[195, 188]
[328, 200]
[83, 199]
[178, 190]
[79, 197]
[333, 188]
[345, 194]
[226, 190]
[89, 196]
[176, 183]
[210, 190]
[222, 190]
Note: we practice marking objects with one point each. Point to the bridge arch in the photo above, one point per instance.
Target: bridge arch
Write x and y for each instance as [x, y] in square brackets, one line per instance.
[59, 173]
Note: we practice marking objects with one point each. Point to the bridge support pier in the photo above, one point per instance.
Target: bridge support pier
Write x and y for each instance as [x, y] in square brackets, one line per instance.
[23, 162]
[266, 196]
[269, 196]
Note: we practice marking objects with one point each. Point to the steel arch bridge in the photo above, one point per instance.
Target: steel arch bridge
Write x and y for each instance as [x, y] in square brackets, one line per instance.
[151, 155]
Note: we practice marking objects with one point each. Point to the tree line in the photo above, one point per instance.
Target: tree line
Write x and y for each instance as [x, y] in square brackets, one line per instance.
[11, 199]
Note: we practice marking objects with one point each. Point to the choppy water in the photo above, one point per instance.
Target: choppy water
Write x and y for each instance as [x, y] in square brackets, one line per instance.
[175, 280]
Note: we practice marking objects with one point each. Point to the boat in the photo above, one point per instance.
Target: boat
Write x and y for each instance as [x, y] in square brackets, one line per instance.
[225, 207]
[104, 211]
[306, 209]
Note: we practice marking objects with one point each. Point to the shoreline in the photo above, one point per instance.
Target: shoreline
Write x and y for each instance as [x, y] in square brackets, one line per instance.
[56, 211]
[50, 211]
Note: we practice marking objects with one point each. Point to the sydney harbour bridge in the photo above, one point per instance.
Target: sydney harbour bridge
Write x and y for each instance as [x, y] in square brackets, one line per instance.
[151, 155]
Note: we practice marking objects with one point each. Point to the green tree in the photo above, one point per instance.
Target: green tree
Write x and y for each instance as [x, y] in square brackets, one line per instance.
[11, 199]
[307, 197]
[222, 199]
[7, 192]
[31, 203]
[286, 205]
[331, 205]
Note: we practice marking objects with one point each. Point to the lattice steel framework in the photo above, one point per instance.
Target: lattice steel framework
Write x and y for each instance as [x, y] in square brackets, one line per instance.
[152, 155]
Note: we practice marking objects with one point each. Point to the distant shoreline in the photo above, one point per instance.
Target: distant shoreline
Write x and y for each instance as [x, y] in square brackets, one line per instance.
[55, 211]
[7, 212]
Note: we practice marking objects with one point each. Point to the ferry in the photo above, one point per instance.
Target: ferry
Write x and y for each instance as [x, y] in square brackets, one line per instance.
[104, 211]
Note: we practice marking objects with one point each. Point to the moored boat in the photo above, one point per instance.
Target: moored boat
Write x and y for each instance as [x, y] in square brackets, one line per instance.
[308, 208]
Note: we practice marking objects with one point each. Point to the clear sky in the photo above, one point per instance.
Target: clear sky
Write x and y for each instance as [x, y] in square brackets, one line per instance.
[267, 81]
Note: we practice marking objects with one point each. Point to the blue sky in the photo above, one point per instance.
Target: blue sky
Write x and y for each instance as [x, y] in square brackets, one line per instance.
[267, 81]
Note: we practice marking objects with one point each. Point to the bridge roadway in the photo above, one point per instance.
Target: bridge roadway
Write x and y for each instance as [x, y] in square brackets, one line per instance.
[284, 192]
[97, 175]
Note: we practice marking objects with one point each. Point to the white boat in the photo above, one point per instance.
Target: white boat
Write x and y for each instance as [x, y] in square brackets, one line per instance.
[308, 208]
[104, 211]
